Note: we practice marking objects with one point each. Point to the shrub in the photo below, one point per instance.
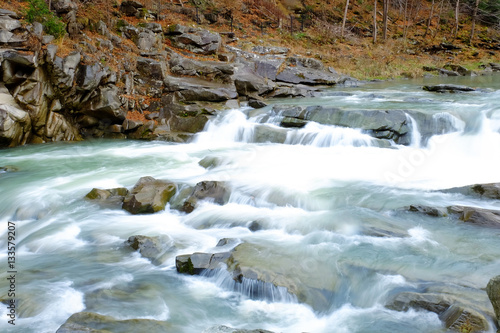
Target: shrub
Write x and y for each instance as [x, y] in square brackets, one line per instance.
[38, 11]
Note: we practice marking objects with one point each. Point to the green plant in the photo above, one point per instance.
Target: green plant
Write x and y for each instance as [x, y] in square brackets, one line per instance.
[38, 11]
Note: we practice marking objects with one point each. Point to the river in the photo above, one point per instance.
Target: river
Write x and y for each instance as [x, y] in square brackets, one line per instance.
[327, 200]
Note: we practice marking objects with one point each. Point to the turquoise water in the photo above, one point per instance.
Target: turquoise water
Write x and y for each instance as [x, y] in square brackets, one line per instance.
[328, 210]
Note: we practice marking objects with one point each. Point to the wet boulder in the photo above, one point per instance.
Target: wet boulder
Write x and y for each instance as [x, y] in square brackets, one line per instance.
[477, 216]
[456, 316]
[196, 263]
[256, 103]
[213, 191]
[427, 210]
[94, 322]
[105, 104]
[493, 291]
[112, 197]
[148, 247]
[227, 329]
[15, 126]
[149, 195]
[452, 88]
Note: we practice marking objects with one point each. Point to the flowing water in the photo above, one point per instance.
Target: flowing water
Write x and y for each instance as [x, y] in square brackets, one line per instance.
[326, 199]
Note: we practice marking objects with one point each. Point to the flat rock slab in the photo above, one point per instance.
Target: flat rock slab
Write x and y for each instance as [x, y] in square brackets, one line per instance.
[441, 88]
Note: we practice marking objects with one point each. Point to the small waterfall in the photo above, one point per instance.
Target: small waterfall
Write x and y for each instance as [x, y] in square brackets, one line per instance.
[253, 289]
[416, 137]
[230, 127]
[314, 134]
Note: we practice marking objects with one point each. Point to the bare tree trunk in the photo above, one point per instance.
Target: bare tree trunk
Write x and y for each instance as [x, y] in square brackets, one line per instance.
[386, 10]
[439, 18]
[430, 19]
[50, 3]
[405, 27]
[456, 19]
[374, 21]
[345, 18]
[474, 17]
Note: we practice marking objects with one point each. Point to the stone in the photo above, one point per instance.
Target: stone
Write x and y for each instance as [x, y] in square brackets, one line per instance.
[461, 319]
[493, 291]
[487, 191]
[149, 196]
[431, 211]
[15, 126]
[248, 82]
[105, 104]
[148, 247]
[256, 104]
[93, 322]
[214, 191]
[108, 197]
[151, 69]
[90, 76]
[63, 6]
[304, 75]
[227, 329]
[196, 263]
[433, 302]
[477, 216]
[210, 95]
[268, 68]
[9, 24]
[264, 50]
[441, 88]
[195, 40]
[130, 8]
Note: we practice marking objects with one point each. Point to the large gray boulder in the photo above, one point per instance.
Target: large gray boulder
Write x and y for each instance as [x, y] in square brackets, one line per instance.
[195, 40]
[63, 6]
[210, 95]
[493, 291]
[90, 76]
[93, 322]
[214, 191]
[151, 69]
[108, 197]
[149, 195]
[452, 88]
[249, 83]
[148, 247]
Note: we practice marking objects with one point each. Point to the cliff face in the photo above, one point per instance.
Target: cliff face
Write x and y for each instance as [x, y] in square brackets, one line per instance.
[155, 92]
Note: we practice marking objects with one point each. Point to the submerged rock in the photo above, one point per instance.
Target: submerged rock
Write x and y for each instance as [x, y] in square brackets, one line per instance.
[149, 196]
[493, 291]
[227, 329]
[94, 322]
[478, 216]
[427, 210]
[456, 316]
[114, 196]
[214, 191]
[441, 88]
[153, 248]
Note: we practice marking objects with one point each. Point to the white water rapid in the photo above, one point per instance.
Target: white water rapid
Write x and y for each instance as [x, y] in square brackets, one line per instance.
[327, 200]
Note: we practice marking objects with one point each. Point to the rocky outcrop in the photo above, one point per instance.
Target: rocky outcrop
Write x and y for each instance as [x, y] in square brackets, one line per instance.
[382, 124]
[94, 322]
[11, 32]
[131, 8]
[213, 191]
[149, 196]
[493, 291]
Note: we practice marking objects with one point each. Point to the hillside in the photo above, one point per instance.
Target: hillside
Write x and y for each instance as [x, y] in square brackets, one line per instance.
[314, 28]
